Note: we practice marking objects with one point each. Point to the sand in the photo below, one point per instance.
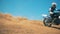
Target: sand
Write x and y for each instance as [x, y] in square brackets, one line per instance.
[18, 25]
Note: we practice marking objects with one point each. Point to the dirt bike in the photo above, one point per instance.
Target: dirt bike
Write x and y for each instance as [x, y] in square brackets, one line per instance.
[48, 21]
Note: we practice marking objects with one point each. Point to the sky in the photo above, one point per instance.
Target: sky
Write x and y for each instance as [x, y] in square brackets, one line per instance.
[31, 9]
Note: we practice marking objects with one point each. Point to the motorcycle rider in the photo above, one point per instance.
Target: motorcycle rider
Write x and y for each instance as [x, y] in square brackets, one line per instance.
[51, 10]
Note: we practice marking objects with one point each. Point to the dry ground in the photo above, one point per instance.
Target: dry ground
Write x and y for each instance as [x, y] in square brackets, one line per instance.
[18, 25]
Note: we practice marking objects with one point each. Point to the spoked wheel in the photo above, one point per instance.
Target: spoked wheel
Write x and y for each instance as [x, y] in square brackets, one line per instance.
[47, 22]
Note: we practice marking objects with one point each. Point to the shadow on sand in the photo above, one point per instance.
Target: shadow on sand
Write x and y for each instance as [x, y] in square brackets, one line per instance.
[56, 27]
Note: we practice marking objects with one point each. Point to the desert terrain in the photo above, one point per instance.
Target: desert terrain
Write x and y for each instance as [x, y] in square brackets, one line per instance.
[17, 25]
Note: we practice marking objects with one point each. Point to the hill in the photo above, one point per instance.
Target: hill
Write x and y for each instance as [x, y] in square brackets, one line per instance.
[18, 25]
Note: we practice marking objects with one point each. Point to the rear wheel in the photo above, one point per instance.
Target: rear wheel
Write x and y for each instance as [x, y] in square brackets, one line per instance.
[47, 22]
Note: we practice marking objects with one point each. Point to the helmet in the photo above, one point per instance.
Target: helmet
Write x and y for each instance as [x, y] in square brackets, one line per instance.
[53, 4]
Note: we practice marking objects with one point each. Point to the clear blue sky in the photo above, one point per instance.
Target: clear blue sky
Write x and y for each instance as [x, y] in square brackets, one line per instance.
[32, 9]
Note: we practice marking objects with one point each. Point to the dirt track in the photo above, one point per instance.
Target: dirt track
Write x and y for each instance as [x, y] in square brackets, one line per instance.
[11, 25]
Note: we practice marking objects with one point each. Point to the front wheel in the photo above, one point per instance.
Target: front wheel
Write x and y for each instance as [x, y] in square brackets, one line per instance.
[46, 22]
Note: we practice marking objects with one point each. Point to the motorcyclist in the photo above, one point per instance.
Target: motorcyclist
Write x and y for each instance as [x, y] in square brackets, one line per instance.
[51, 10]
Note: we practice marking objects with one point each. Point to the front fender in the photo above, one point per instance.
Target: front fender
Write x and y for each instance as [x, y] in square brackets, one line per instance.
[44, 16]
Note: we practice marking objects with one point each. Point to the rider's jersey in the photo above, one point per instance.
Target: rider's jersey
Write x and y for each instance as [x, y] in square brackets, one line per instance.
[52, 10]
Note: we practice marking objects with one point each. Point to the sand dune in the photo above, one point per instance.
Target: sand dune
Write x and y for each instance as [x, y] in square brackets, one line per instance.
[12, 25]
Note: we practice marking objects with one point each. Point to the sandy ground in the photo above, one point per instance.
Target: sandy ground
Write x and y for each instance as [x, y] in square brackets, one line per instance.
[17, 25]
